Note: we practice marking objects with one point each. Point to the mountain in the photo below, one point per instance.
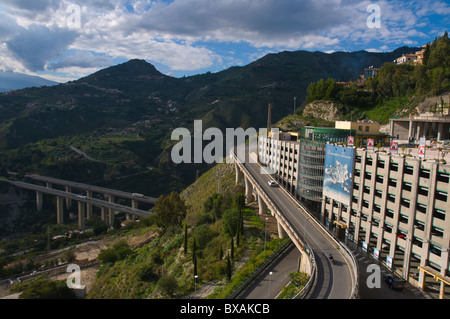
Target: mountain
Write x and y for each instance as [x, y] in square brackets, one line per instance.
[135, 92]
[15, 81]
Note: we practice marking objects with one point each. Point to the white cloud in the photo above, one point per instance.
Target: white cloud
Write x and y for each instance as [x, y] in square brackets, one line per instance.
[176, 33]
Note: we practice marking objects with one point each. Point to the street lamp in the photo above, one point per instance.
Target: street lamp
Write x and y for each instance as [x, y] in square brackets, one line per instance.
[195, 283]
[270, 281]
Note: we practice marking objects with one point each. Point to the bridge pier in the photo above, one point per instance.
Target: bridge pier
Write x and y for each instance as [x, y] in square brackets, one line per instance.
[39, 201]
[281, 232]
[68, 200]
[239, 174]
[134, 204]
[88, 206]
[81, 212]
[59, 210]
[262, 205]
[112, 213]
[248, 191]
[103, 214]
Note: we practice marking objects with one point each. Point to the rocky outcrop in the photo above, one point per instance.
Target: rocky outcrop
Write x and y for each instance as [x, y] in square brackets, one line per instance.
[326, 110]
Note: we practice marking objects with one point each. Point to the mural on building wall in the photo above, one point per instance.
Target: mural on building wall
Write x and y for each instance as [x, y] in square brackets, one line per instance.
[338, 173]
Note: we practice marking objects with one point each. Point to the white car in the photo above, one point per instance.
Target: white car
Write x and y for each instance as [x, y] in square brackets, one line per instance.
[272, 183]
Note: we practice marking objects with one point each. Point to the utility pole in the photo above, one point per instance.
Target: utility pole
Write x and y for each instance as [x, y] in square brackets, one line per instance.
[269, 118]
[295, 102]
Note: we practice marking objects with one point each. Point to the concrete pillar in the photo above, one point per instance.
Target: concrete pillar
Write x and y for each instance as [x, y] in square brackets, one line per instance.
[39, 201]
[68, 200]
[410, 131]
[134, 204]
[442, 290]
[440, 131]
[281, 232]
[418, 126]
[239, 174]
[59, 209]
[102, 214]
[262, 205]
[88, 206]
[248, 191]
[81, 212]
[112, 213]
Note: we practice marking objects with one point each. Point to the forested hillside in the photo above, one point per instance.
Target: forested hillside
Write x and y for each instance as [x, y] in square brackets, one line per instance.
[395, 90]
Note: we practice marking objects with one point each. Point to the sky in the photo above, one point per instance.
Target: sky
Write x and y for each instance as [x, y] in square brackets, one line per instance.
[66, 40]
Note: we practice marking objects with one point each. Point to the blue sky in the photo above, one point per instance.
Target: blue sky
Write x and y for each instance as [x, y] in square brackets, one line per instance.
[68, 39]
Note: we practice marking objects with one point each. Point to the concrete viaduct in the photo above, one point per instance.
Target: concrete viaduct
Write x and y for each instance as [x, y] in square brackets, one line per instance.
[253, 190]
[327, 280]
[85, 202]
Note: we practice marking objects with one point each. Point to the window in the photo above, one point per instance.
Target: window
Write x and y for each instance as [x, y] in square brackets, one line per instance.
[365, 204]
[367, 128]
[424, 173]
[421, 208]
[439, 213]
[380, 164]
[441, 195]
[403, 219]
[408, 170]
[393, 166]
[379, 179]
[443, 177]
[407, 186]
[392, 182]
[404, 202]
[423, 190]
[391, 198]
[419, 225]
[389, 213]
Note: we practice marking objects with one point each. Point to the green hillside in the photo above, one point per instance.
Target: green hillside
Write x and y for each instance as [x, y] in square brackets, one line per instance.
[396, 90]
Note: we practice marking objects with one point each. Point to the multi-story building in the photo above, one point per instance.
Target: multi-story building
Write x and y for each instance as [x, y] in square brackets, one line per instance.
[399, 213]
[394, 207]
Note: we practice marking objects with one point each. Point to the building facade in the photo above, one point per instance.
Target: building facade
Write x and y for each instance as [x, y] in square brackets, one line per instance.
[399, 213]
[396, 208]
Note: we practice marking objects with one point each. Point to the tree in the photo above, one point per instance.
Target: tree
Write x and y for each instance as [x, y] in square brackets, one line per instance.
[47, 289]
[232, 248]
[228, 267]
[185, 238]
[170, 210]
[117, 252]
[230, 220]
[168, 285]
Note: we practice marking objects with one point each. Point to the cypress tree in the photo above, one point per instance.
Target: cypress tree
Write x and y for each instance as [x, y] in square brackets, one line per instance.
[228, 267]
[232, 248]
[185, 238]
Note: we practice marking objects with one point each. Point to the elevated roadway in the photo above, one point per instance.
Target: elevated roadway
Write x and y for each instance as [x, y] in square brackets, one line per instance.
[331, 281]
[92, 188]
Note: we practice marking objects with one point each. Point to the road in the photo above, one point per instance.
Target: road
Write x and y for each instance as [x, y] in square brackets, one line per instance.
[92, 188]
[268, 285]
[85, 199]
[334, 281]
